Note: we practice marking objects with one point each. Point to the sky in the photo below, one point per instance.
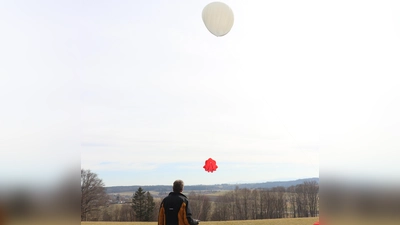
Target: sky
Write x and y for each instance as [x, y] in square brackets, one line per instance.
[141, 93]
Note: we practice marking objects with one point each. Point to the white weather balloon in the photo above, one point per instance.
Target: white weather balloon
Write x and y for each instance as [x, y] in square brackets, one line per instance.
[218, 18]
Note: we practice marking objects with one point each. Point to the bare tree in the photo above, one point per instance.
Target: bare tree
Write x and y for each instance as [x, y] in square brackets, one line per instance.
[312, 189]
[200, 205]
[125, 213]
[157, 203]
[106, 216]
[224, 207]
[255, 204]
[93, 194]
[264, 204]
[291, 192]
[301, 200]
[270, 205]
[116, 213]
[245, 199]
[280, 203]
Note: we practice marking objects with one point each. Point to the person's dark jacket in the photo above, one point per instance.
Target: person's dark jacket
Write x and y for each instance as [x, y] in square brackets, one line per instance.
[175, 210]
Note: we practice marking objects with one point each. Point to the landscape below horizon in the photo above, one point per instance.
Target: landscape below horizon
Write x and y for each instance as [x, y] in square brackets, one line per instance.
[215, 187]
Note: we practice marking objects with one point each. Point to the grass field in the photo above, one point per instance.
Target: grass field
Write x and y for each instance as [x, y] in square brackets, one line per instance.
[291, 221]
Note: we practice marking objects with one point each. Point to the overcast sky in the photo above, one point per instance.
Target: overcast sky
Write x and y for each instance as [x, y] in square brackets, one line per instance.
[145, 93]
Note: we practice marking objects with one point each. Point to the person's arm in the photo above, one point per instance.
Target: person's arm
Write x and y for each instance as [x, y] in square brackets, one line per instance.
[161, 214]
[189, 215]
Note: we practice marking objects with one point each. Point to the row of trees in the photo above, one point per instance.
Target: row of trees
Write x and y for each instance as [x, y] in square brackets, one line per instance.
[95, 203]
[245, 204]
[240, 204]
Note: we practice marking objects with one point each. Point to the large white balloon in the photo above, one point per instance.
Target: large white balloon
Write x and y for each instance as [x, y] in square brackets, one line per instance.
[218, 18]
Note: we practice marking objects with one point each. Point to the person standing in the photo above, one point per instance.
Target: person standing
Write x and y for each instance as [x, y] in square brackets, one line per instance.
[175, 209]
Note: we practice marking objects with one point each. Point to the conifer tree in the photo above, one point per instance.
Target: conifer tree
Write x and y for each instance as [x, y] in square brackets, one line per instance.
[138, 204]
[149, 207]
[143, 205]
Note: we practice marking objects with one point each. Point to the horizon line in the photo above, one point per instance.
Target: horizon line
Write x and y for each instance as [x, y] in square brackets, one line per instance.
[228, 183]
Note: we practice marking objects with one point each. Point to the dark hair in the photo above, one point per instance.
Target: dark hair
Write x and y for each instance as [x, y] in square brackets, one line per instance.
[178, 186]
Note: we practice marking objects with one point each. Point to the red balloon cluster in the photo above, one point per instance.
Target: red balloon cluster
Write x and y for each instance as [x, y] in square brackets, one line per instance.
[210, 165]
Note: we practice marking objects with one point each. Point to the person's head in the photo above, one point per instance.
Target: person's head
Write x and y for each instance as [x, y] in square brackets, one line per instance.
[178, 186]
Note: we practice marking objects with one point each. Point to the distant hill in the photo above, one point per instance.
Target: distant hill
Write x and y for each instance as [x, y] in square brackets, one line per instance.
[215, 187]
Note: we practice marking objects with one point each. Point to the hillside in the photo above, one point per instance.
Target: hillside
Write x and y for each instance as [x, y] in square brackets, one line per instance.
[215, 187]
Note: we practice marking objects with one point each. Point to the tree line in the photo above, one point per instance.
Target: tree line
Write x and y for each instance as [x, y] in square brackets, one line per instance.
[210, 188]
[240, 204]
[278, 202]
[96, 204]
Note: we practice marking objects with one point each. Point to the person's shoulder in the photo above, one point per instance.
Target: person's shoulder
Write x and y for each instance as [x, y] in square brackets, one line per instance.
[168, 196]
[183, 196]
[177, 195]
